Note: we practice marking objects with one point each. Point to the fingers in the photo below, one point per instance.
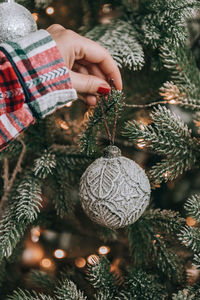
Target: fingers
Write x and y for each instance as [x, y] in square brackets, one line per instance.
[88, 68]
[94, 53]
[89, 84]
[74, 47]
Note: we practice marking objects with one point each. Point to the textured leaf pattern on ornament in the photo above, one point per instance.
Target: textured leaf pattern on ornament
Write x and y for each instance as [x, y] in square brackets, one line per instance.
[102, 177]
[114, 191]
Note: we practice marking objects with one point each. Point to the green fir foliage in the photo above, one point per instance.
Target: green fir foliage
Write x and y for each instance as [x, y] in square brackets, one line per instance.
[128, 53]
[150, 238]
[190, 293]
[68, 290]
[167, 136]
[192, 207]
[22, 210]
[110, 105]
[44, 165]
[141, 285]
[102, 279]
[26, 295]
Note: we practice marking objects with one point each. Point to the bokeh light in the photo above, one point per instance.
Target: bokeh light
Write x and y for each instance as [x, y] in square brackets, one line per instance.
[80, 262]
[59, 253]
[103, 250]
[50, 10]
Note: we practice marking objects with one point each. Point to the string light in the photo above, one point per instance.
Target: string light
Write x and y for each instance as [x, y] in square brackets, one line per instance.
[166, 175]
[50, 10]
[62, 124]
[35, 234]
[103, 250]
[106, 8]
[141, 144]
[190, 221]
[142, 127]
[172, 101]
[93, 259]
[47, 264]
[80, 262]
[68, 104]
[59, 253]
[33, 254]
[35, 16]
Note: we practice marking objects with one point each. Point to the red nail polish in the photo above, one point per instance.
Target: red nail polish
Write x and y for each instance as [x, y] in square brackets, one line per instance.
[103, 90]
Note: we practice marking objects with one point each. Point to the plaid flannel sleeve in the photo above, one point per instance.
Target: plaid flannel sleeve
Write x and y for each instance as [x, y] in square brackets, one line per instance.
[34, 82]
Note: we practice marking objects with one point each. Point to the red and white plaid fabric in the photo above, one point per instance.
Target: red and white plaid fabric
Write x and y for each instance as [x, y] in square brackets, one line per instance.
[46, 79]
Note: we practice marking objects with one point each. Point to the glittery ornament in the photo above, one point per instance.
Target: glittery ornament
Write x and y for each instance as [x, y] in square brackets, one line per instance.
[15, 21]
[114, 190]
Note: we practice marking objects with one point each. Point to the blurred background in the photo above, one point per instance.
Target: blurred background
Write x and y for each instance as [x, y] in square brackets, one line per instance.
[69, 245]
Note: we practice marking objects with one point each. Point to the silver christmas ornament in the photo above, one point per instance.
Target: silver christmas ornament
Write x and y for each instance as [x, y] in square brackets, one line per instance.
[114, 190]
[15, 21]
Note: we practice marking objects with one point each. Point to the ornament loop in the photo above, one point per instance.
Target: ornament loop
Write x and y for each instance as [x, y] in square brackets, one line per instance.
[112, 151]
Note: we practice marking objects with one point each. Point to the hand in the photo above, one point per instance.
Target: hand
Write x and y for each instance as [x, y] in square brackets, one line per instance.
[89, 64]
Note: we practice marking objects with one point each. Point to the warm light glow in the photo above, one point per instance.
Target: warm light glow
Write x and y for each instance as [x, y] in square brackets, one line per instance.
[166, 175]
[80, 262]
[106, 8]
[35, 17]
[104, 250]
[59, 253]
[190, 221]
[142, 127]
[46, 263]
[68, 104]
[33, 254]
[63, 124]
[35, 234]
[35, 238]
[50, 10]
[93, 259]
[35, 231]
[141, 144]
[172, 101]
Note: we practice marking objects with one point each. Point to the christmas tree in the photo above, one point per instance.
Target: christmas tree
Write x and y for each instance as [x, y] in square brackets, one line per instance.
[49, 248]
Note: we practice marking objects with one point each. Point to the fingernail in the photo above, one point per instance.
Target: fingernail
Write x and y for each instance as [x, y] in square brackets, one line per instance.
[103, 90]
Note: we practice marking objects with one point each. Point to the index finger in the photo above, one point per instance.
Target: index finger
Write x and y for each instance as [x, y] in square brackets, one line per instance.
[95, 53]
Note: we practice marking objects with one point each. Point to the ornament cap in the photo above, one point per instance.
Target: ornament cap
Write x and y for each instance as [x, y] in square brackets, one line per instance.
[111, 152]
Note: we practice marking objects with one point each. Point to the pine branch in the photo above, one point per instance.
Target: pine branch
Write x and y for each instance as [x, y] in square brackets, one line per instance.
[165, 221]
[69, 168]
[68, 290]
[26, 295]
[23, 208]
[167, 135]
[142, 286]
[190, 237]
[148, 241]
[28, 200]
[192, 207]
[184, 75]
[95, 124]
[44, 165]
[189, 293]
[42, 279]
[197, 260]
[124, 48]
[163, 22]
[101, 278]
[8, 183]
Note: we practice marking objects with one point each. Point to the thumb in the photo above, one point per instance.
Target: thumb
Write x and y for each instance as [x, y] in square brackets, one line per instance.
[89, 84]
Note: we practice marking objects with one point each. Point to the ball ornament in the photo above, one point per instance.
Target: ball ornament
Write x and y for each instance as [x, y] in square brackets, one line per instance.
[114, 190]
[15, 21]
